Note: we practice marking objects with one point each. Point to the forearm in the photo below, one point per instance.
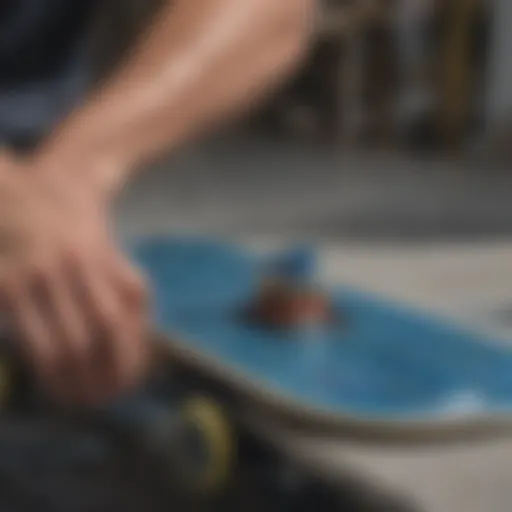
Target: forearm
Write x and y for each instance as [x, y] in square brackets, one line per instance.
[204, 61]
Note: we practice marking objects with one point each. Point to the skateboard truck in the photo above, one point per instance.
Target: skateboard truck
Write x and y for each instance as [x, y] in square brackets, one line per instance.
[289, 296]
[192, 440]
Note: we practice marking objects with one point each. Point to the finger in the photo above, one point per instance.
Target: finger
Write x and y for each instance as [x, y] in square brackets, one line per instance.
[116, 356]
[134, 299]
[76, 380]
[35, 336]
[129, 283]
[132, 285]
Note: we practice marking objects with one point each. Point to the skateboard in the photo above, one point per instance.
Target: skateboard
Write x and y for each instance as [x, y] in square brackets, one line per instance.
[241, 333]
[176, 439]
[275, 339]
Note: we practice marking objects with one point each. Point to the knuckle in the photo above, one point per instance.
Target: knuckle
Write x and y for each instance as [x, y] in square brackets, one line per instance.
[36, 270]
[19, 273]
[109, 320]
[78, 348]
[137, 285]
[132, 278]
[9, 287]
[139, 290]
[73, 253]
[74, 340]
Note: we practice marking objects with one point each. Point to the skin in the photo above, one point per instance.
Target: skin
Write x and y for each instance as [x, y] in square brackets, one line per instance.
[77, 304]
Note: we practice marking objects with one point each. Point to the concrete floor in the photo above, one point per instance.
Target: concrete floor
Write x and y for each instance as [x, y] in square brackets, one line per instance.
[431, 234]
[254, 187]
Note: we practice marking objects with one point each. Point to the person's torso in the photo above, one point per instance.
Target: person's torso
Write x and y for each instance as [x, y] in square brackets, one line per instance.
[44, 64]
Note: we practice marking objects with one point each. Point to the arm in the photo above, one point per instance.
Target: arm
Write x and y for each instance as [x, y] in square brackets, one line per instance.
[203, 61]
[85, 331]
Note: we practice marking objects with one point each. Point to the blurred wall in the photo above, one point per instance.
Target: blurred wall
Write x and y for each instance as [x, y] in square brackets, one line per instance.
[499, 107]
[121, 20]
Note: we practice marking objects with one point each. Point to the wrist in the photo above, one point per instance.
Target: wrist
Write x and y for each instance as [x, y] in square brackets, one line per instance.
[99, 173]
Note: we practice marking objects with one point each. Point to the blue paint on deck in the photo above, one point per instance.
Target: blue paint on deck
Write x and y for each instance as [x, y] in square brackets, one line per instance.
[386, 362]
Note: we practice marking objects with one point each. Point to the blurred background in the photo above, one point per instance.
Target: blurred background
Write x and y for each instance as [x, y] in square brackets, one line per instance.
[397, 125]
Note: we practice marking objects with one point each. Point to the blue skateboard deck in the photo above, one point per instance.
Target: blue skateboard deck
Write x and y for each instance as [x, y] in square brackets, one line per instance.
[384, 367]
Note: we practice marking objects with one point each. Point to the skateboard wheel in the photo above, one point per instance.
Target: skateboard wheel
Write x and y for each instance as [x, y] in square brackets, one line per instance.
[207, 446]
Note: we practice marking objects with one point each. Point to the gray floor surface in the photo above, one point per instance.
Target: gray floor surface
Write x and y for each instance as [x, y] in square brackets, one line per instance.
[256, 187]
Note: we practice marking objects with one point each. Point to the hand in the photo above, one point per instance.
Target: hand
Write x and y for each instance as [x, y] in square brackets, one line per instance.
[77, 305]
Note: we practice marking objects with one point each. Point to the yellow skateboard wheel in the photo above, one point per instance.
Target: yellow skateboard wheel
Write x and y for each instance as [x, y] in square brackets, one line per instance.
[209, 447]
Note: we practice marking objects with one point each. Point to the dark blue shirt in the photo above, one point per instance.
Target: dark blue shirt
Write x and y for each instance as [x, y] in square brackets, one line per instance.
[44, 62]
